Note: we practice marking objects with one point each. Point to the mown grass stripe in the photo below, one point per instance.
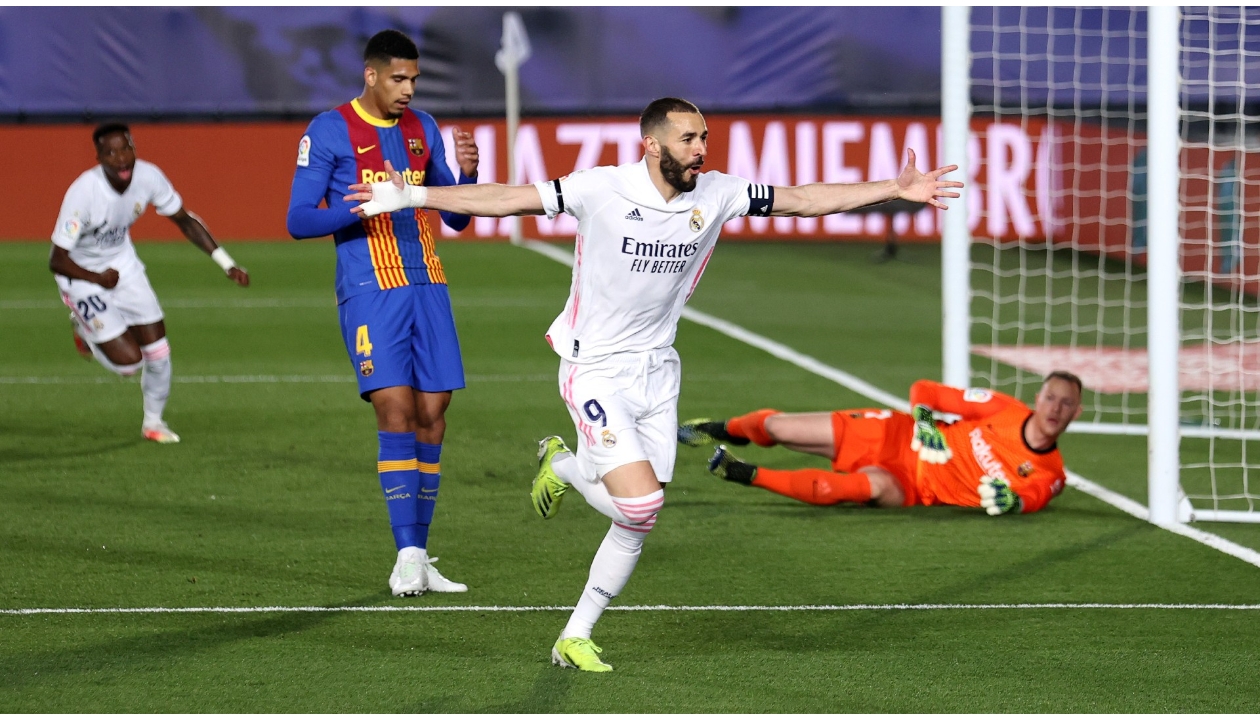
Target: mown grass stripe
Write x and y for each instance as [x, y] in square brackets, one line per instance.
[629, 608]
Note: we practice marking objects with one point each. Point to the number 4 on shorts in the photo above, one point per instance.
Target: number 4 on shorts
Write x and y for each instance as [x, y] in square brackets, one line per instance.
[362, 344]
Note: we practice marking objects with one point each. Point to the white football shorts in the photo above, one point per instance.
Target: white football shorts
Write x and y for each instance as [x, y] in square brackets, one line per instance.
[625, 409]
[103, 315]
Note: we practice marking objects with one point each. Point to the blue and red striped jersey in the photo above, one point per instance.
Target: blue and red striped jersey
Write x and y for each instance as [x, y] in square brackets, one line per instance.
[346, 145]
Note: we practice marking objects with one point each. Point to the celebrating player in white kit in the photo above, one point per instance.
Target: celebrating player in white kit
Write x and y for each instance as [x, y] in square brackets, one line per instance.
[645, 232]
[115, 312]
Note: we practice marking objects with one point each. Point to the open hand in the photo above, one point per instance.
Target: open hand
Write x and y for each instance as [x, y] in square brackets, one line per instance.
[466, 153]
[915, 186]
[377, 198]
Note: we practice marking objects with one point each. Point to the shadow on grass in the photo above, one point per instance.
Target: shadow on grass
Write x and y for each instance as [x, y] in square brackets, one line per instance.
[547, 694]
[871, 630]
[140, 652]
[13, 456]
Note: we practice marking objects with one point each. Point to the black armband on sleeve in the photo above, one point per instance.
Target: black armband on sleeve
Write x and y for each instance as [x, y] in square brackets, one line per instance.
[760, 200]
[559, 193]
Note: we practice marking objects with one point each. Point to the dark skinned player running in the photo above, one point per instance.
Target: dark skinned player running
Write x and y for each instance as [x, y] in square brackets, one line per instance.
[116, 315]
[1000, 455]
[393, 303]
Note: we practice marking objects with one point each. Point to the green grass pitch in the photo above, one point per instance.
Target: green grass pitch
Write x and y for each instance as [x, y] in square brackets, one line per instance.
[272, 500]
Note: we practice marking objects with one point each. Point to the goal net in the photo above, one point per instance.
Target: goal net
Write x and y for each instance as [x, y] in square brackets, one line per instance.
[1062, 254]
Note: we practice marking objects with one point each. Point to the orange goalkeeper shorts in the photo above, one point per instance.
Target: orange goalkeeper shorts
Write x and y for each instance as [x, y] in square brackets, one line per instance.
[880, 438]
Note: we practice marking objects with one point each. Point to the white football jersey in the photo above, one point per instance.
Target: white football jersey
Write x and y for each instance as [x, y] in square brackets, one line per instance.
[95, 220]
[637, 258]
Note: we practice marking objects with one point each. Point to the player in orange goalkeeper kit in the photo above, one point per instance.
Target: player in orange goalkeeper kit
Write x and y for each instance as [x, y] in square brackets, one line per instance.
[1000, 455]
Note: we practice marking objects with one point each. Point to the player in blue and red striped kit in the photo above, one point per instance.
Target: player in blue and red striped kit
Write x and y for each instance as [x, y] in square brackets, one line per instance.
[393, 302]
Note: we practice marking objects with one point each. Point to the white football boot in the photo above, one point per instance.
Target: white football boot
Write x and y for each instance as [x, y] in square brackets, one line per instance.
[437, 583]
[159, 433]
[409, 578]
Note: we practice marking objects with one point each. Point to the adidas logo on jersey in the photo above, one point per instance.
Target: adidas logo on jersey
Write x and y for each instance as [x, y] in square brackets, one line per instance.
[634, 215]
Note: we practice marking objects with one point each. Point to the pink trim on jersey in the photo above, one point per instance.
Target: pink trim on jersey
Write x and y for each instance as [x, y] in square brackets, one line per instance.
[577, 280]
[566, 392]
[699, 272]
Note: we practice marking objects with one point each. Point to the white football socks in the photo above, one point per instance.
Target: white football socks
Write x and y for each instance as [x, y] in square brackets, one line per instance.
[615, 560]
[610, 571]
[156, 381]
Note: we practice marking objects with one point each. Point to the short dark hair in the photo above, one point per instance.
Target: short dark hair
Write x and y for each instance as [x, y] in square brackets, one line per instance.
[108, 128]
[1066, 377]
[387, 45]
[657, 112]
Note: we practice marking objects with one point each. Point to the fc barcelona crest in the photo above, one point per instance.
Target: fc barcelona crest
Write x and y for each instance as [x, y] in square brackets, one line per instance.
[365, 368]
[1025, 469]
[415, 146]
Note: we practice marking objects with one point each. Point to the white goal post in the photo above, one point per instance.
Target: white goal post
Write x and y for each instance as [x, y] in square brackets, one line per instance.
[1111, 227]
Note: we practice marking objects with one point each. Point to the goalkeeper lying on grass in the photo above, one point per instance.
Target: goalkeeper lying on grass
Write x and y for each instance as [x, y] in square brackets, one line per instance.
[1000, 455]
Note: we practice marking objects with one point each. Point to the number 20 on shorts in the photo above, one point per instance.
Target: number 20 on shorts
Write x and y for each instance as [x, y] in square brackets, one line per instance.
[362, 343]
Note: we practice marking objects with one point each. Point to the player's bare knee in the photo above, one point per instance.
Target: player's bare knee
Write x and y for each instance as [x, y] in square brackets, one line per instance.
[885, 491]
[395, 411]
[430, 429]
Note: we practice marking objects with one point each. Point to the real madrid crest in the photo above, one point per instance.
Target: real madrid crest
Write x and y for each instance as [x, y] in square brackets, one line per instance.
[139, 210]
[609, 439]
[415, 146]
[697, 220]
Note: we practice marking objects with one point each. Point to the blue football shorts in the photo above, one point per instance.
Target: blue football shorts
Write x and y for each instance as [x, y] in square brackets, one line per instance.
[403, 337]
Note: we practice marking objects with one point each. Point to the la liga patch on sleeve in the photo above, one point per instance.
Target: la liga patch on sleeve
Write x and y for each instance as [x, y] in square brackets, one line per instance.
[304, 151]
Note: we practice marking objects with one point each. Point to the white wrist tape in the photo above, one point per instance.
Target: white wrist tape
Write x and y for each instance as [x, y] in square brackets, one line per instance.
[417, 196]
[387, 198]
[224, 260]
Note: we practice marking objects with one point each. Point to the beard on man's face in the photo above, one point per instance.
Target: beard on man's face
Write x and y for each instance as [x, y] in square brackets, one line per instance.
[674, 172]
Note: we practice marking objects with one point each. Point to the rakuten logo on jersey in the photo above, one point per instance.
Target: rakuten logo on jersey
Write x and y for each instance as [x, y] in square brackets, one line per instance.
[410, 177]
[657, 257]
[984, 456]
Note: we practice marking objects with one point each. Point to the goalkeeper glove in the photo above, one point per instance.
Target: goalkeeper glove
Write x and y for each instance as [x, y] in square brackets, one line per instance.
[997, 498]
[928, 440]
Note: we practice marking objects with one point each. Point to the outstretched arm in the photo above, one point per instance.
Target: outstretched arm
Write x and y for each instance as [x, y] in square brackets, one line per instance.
[491, 200]
[825, 199]
[197, 233]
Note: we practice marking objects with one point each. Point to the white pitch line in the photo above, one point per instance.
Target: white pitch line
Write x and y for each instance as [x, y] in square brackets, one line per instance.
[626, 608]
[865, 389]
[246, 379]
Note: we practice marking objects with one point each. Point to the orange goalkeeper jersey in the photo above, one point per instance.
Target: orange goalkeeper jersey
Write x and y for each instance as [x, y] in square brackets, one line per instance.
[988, 440]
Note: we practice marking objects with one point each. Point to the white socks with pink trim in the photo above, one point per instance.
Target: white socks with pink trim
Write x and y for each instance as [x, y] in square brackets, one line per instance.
[615, 560]
[156, 381]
